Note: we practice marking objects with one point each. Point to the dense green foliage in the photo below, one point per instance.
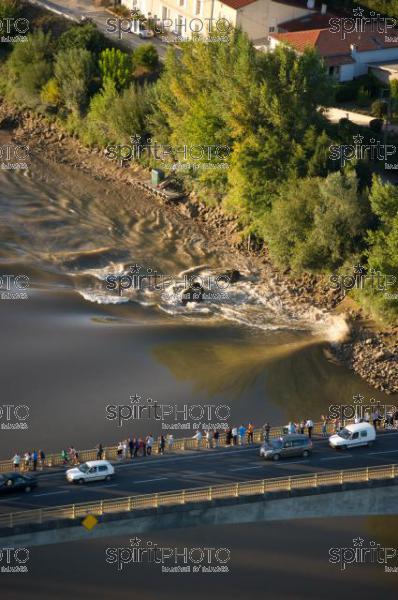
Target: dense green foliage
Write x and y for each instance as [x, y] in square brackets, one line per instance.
[9, 9]
[146, 56]
[113, 118]
[318, 224]
[260, 110]
[84, 36]
[30, 65]
[73, 70]
[116, 66]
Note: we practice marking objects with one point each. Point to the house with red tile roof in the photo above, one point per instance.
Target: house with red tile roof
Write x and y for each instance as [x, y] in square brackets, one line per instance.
[348, 56]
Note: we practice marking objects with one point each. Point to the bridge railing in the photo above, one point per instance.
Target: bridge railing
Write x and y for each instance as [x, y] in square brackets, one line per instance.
[178, 445]
[203, 494]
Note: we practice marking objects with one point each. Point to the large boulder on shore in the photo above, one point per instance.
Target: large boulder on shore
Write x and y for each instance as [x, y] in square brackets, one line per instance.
[232, 274]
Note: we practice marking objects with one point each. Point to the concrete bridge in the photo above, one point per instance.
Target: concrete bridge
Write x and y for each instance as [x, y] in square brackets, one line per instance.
[368, 491]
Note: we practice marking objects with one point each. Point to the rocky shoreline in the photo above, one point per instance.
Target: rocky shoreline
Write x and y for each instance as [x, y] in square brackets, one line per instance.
[371, 352]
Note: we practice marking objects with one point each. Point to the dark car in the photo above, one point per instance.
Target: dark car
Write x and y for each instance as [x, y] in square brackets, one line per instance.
[16, 482]
[294, 444]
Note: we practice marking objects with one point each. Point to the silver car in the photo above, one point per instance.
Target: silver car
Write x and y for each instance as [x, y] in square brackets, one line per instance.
[294, 444]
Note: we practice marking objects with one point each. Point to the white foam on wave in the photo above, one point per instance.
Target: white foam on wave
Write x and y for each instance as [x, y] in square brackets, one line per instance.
[245, 302]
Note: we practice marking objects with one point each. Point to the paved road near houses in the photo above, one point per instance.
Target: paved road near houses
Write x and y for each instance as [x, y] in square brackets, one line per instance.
[198, 469]
[74, 9]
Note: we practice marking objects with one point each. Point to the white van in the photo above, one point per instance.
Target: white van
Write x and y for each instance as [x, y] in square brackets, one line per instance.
[92, 470]
[356, 434]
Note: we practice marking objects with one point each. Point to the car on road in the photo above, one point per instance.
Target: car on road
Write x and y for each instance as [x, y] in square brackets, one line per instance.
[355, 434]
[146, 33]
[92, 470]
[294, 444]
[16, 482]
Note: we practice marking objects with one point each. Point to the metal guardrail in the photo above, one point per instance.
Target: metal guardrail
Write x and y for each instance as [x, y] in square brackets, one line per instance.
[205, 494]
[179, 445]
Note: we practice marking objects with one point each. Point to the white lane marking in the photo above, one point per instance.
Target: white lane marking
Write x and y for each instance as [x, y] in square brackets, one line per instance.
[290, 462]
[246, 468]
[384, 452]
[148, 480]
[51, 493]
[338, 457]
[95, 488]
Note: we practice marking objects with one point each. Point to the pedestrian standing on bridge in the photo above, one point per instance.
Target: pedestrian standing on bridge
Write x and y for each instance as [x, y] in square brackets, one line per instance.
[142, 446]
[162, 444]
[170, 439]
[131, 447]
[242, 433]
[266, 431]
[125, 449]
[324, 426]
[16, 461]
[228, 437]
[310, 426]
[136, 446]
[198, 438]
[42, 459]
[100, 452]
[26, 459]
[235, 435]
[216, 436]
[119, 451]
[250, 433]
[302, 426]
[149, 444]
[35, 457]
[208, 438]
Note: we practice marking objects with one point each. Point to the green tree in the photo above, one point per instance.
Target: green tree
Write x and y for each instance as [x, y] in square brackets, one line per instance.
[50, 93]
[30, 63]
[9, 9]
[146, 56]
[383, 252]
[73, 71]
[113, 118]
[316, 224]
[84, 36]
[115, 65]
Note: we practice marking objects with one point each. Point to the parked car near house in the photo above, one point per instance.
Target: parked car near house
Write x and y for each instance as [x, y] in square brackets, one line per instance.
[146, 33]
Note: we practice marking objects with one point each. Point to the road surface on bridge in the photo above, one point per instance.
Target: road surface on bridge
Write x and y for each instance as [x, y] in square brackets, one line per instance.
[147, 475]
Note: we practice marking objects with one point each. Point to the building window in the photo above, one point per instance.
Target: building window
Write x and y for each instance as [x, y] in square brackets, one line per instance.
[198, 7]
[181, 2]
[180, 20]
[271, 29]
[334, 72]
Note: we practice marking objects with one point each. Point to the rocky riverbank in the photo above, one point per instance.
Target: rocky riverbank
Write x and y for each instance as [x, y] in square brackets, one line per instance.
[370, 352]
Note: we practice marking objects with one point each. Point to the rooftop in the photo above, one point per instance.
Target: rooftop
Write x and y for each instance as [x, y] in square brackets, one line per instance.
[236, 4]
[331, 44]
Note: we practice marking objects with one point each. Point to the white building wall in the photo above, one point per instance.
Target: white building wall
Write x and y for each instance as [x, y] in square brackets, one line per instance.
[347, 73]
[363, 59]
[255, 19]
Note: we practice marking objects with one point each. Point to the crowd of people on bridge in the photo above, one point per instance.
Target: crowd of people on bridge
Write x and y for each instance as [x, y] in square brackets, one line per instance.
[29, 461]
[136, 446]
